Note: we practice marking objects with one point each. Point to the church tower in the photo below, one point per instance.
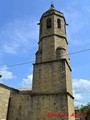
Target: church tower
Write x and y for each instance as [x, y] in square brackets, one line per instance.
[52, 71]
[51, 96]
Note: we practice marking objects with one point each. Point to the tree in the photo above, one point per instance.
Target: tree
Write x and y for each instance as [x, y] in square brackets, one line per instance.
[86, 109]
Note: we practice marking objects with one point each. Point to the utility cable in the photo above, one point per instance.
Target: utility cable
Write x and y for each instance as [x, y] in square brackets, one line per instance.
[28, 62]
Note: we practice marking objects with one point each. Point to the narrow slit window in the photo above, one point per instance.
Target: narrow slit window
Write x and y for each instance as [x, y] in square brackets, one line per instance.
[58, 23]
[49, 23]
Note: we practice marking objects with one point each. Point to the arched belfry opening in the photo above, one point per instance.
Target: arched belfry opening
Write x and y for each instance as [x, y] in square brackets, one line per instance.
[59, 23]
[48, 23]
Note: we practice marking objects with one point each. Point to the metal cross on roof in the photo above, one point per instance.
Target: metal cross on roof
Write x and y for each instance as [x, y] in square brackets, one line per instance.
[52, 5]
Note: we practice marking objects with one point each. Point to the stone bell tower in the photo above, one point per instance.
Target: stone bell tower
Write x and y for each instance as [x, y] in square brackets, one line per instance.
[52, 71]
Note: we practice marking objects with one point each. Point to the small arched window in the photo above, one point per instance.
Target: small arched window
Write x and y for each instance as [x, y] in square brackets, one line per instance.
[49, 23]
[58, 23]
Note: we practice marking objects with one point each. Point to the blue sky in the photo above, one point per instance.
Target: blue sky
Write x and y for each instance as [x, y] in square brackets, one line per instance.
[19, 38]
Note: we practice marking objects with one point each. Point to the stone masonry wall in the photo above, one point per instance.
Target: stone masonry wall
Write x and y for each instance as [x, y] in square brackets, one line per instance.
[49, 77]
[5, 93]
[68, 79]
[4, 100]
[69, 89]
[20, 108]
[70, 108]
[37, 107]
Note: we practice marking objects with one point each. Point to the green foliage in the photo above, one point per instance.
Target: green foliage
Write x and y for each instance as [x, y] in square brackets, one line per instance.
[86, 109]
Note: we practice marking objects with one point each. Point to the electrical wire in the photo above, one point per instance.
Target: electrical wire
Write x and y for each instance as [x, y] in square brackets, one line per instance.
[18, 64]
[28, 62]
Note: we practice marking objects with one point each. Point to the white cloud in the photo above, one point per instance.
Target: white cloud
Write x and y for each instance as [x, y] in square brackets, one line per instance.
[18, 36]
[27, 82]
[81, 91]
[6, 74]
[81, 84]
[77, 96]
